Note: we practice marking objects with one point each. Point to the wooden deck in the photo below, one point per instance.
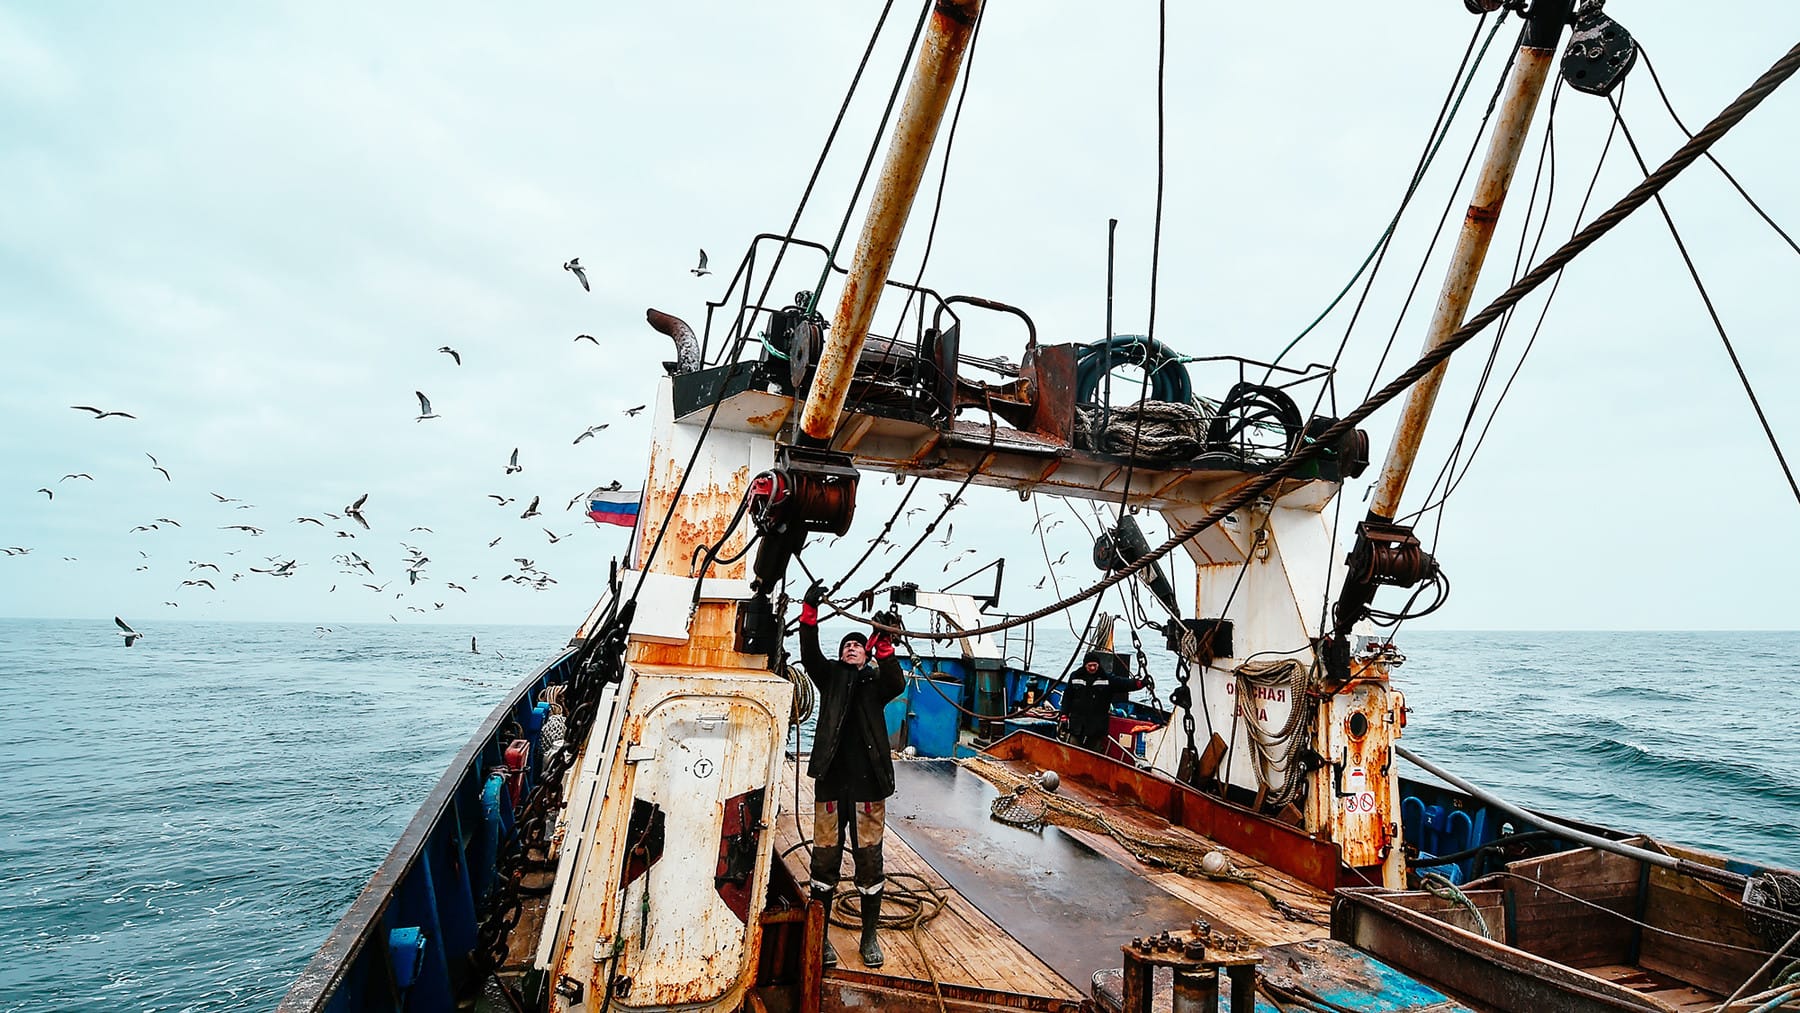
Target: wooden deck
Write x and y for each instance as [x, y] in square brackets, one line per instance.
[961, 946]
[965, 946]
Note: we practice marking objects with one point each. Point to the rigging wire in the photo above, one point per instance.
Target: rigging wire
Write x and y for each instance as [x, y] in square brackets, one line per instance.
[937, 205]
[787, 239]
[1654, 79]
[877, 540]
[862, 178]
[1444, 219]
[1593, 185]
[1711, 310]
[1137, 434]
[1055, 584]
[1686, 155]
[1440, 130]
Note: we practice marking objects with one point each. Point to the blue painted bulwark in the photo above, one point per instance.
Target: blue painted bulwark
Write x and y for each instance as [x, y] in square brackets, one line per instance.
[405, 943]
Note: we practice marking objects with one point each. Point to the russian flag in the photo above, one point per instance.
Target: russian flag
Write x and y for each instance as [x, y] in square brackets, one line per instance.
[606, 506]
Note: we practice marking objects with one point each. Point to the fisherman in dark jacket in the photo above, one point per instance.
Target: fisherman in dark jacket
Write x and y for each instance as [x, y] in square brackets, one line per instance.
[1087, 700]
[851, 765]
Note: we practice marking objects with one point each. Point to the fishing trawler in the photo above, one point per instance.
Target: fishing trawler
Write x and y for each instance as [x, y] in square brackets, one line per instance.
[627, 830]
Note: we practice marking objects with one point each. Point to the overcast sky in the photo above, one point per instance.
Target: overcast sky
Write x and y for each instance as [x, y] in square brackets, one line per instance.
[251, 226]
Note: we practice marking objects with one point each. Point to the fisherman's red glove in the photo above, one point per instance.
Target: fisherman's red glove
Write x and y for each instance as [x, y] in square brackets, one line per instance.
[880, 646]
[809, 608]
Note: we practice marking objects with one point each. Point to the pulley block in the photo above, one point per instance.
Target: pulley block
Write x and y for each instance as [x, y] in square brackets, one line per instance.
[1600, 53]
[1124, 543]
[1389, 555]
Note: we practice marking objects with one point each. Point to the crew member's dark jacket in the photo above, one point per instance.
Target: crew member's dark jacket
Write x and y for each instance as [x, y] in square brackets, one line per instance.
[851, 698]
[1088, 699]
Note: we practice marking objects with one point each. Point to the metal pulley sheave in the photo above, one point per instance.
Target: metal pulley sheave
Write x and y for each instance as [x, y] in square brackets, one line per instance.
[1123, 544]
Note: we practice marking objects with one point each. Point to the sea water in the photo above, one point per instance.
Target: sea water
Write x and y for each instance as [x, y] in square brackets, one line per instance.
[182, 822]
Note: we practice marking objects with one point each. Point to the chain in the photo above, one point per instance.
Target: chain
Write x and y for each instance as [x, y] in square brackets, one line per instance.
[1188, 770]
[598, 665]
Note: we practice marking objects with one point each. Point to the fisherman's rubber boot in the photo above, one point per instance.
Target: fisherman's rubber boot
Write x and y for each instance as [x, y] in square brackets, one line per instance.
[827, 867]
[829, 955]
[871, 921]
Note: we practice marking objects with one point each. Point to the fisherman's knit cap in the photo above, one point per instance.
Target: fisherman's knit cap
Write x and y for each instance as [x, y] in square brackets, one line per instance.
[852, 638]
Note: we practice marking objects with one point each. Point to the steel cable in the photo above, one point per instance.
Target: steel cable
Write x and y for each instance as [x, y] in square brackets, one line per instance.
[1639, 195]
[1711, 311]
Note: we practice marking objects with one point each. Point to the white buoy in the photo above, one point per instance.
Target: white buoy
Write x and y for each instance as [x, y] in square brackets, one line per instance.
[910, 752]
[1048, 780]
[1215, 863]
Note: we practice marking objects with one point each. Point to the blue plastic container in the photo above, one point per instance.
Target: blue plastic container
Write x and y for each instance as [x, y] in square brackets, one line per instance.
[931, 720]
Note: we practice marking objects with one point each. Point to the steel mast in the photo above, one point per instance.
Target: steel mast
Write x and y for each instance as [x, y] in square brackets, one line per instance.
[1386, 553]
[934, 78]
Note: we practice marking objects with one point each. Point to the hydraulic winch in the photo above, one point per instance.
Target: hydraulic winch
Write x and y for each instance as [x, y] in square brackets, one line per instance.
[809, 491]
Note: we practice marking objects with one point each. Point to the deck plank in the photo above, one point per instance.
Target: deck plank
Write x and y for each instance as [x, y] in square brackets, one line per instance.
[961, 945]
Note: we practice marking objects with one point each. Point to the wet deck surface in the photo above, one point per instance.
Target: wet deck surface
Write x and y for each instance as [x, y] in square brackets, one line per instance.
[1067, 898]
[1235, 908]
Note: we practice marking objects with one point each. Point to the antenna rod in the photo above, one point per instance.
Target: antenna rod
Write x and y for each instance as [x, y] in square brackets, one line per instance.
[1112, 228]
[934, 78]
[1537, 52]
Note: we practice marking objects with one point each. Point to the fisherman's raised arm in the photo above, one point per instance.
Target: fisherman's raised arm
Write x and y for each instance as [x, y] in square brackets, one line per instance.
[890, 680]
[811, 658]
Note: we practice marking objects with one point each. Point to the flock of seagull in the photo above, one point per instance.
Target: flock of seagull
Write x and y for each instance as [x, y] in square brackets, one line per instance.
[351, 521]
[348, 522]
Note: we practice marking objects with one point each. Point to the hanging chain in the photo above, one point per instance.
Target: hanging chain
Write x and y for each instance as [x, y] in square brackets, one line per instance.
[598, 664]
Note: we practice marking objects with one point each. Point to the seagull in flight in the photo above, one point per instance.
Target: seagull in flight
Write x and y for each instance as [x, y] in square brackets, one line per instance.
[309, 520]
[199, 583]
[45, 490]
[501, 500]
[424, 529]
[1059, 559]
[16, 550]
[1039, 586]
[144, 527]
[530, 511]
[165, 520]
[158, 467]
[454, 584]
[131, 636]
[354, 511]
[225, 499]
[574, 265]
[495, 542]
[957, 558]
[425, 411]
[81, 474]
[98, 414]
[513, 466]
[591, 430]
[554, 537]
[631, 413]
[254, 531]
[700, 271]
[586, 337]
[214, 567]
[451, 352]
